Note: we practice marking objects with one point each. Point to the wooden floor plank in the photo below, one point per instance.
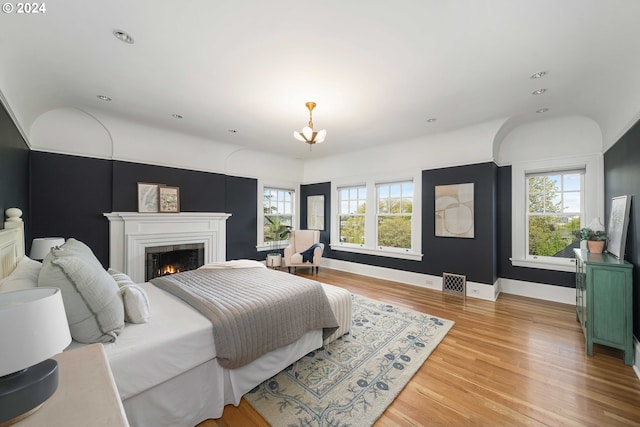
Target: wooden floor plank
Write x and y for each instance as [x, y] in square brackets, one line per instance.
[514, 362]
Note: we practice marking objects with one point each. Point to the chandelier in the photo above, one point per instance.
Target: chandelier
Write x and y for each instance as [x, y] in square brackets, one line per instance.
[307, 134]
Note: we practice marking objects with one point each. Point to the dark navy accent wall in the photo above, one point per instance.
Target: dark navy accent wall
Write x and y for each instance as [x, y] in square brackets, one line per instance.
[241, 202]
[71, 193]
[14, 164]
[475, 258]
[622, 176]
[68, 197]
[505, 269]
[320, 189]
[199, 191]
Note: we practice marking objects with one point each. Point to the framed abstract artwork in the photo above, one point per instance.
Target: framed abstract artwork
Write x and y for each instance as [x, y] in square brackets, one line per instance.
[454, 212]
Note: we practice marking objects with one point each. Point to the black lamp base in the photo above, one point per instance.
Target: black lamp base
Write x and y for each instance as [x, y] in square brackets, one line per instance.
[24, 392]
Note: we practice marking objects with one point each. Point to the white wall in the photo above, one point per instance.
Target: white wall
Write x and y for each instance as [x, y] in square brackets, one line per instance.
[469, 145]
[95, 134]
[545, 139]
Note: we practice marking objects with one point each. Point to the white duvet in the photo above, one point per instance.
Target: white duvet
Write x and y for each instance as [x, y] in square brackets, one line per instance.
[176, 339]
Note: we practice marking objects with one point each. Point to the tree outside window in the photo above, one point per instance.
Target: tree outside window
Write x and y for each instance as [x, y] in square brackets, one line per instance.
[353, 208]
[395, 209]
[555, 206]
[278, 205]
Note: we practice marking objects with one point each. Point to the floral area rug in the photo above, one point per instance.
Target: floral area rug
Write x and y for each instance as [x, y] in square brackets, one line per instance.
[351, 381]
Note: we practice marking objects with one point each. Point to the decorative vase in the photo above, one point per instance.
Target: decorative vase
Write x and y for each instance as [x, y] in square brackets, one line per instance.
[595, 247]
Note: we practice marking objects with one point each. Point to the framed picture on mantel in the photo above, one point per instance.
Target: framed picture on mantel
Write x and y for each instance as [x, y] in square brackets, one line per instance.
[147, 197]
[169, 199]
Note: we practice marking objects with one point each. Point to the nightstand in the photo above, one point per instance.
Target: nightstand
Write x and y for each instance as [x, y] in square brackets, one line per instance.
[86, 394]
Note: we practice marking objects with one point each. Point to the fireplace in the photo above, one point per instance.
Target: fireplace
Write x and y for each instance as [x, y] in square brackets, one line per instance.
[164, 260]
[131, 234]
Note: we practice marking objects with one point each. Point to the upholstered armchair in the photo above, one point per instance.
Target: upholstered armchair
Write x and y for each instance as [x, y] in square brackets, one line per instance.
[304, 250]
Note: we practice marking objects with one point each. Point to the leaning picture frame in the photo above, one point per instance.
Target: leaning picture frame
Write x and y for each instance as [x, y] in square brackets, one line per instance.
[315, 212]
[169, 199]
[147, 197]
[618, 223]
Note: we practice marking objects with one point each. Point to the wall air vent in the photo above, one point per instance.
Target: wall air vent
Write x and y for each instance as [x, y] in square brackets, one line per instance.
[454, 284]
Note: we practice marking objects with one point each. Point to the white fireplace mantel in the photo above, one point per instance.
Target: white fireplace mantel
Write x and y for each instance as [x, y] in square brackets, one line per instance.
[130, 233]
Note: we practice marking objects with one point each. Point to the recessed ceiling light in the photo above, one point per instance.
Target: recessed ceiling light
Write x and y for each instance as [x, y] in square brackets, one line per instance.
[233, 131]
[122, 36]
[542, 110]
[538, 92]
[177, 116]
[103, 98]
[431, 120]
[538, 75]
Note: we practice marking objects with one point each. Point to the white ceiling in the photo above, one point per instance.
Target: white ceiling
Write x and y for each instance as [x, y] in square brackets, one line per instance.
[377, 69]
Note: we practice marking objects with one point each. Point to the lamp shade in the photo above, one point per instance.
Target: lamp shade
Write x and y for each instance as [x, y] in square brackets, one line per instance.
[34, 327]
[42, 246]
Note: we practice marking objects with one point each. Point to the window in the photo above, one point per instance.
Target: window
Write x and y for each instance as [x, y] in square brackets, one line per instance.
[550, 198]
[381, 217]
[279, 208]
[395, 208]
[555, 208]
[353, 207]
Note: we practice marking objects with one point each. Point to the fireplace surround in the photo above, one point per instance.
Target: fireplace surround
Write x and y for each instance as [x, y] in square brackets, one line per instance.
[131, 233]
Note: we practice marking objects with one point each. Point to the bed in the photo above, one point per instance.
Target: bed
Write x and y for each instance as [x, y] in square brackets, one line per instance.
[166, 369]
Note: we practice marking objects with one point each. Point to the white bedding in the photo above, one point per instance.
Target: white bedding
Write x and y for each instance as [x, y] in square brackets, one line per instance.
[175, 339]
[166, 371]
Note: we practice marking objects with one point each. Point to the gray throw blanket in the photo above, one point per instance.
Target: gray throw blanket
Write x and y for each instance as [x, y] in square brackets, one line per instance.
[253, 310]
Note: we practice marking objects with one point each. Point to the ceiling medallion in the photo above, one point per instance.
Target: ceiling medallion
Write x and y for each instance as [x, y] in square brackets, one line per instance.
[307, 134]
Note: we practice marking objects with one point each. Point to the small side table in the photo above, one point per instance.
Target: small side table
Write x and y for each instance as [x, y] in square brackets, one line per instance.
[86, 394]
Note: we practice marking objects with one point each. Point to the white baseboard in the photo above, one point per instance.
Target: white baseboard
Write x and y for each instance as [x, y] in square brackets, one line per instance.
[538, 290]
[636, 365]
[474, 290]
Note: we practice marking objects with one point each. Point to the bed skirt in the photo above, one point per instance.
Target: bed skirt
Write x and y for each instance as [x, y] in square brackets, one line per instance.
[202, 392]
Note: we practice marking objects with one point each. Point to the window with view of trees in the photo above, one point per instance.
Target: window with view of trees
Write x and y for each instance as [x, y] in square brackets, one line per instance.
[352, 210]
[278, 205]
[555, 208]
[395, 208]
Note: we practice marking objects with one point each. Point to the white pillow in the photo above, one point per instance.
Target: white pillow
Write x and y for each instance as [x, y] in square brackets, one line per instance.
[24, 276]
[120, 278]
[136, 304]
[91, 298]
[134, 298]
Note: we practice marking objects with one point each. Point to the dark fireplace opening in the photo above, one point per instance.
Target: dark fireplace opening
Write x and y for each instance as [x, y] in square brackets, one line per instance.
[170, 259]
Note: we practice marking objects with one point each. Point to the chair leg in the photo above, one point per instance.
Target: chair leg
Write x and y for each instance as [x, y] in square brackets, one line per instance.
[289, 268]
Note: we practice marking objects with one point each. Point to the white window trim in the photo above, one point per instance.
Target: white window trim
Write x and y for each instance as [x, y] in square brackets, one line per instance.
[593, 164]
[370, 219]
[262, 246]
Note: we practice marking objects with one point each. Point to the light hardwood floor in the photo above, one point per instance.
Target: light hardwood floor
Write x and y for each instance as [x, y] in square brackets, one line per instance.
[514, 362]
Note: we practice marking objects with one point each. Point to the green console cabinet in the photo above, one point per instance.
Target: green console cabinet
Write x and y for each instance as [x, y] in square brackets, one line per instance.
[604, 301]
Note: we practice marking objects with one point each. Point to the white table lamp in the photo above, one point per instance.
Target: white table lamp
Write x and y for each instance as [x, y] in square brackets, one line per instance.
[33, 327]
[40, 247]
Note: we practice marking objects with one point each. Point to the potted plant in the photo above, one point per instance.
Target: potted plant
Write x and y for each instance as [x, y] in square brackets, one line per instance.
[277, 232]
[595, 239]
